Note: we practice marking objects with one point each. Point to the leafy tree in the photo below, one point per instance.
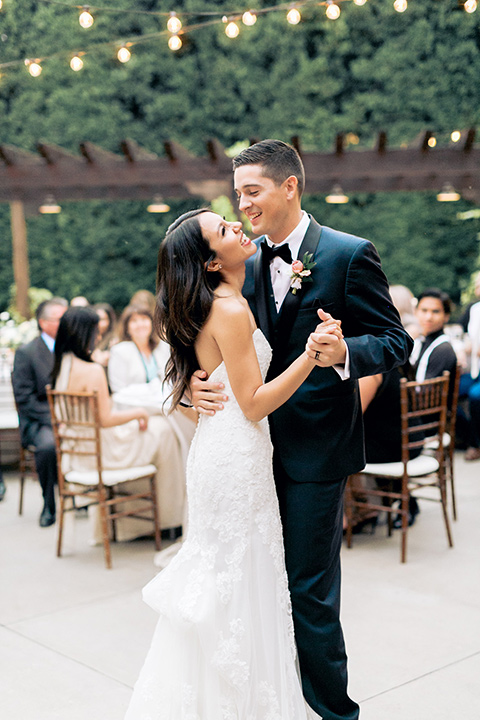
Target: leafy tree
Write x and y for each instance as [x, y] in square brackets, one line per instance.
[373, 69]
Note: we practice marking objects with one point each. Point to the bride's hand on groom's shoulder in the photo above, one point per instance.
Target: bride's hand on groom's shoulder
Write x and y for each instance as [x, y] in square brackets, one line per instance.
[207, 396]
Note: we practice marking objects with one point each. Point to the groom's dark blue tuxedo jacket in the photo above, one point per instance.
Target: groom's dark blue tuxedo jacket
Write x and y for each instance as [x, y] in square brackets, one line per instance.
[318, 433]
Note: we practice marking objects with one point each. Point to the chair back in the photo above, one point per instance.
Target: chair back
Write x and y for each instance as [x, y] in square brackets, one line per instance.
[76, 428]
[423, 414]
[452, 410]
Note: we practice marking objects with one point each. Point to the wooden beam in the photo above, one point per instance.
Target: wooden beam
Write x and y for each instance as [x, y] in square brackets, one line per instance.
[96, 155]
[180, 175]
[55, 155]
[134, 152]
[20, 258]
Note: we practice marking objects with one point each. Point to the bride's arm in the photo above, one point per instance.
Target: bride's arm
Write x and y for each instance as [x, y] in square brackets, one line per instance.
[231, 328]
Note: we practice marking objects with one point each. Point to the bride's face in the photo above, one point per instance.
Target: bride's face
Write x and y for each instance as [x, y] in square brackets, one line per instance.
[227, 239]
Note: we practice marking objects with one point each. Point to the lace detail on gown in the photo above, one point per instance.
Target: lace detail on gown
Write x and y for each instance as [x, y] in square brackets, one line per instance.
[224, 646]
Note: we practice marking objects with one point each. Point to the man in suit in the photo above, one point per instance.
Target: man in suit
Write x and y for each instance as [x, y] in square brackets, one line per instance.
[317, 435]
[32, 368]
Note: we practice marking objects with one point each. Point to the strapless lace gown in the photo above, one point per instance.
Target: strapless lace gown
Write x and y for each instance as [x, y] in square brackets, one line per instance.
[224, 645]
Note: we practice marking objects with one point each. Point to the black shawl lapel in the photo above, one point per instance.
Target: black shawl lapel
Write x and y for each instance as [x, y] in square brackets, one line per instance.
[262, 285]
[291, 303]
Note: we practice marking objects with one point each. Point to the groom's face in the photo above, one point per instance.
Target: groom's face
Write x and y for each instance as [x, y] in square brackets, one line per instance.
[265, 203]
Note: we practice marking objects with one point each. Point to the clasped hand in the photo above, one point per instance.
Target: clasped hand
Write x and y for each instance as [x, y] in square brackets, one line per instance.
[326, 346]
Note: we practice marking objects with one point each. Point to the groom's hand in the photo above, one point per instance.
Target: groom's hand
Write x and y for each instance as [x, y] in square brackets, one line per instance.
[207, 396]
[326, 346]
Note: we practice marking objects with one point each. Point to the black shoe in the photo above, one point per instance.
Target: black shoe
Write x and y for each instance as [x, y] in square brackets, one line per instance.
[413, 510]
[47, 518]
[3, 490]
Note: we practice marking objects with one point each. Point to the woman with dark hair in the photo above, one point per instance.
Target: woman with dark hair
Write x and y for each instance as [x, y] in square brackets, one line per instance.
[106, 337]
[130, 437]
[224, 645]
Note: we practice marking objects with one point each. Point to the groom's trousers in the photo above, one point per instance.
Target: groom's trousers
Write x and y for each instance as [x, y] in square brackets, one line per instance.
[312, 518]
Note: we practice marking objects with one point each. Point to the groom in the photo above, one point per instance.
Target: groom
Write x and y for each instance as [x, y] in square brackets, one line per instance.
[317, 435]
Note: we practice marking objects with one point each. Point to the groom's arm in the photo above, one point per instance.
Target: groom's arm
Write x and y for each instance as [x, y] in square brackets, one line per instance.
[376, 339]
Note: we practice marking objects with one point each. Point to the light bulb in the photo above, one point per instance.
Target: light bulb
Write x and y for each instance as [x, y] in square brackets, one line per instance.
[332, 11]
[1, 4]
[470, 6]
[400, 5]
[359, 2]
[174, 24]
[455, 136]
[86, 19]
[232, 30]
[431, 142]
[124, 54]
[76, 63]
[293, 16]
[49, 206]
[249, 18]
[174, 42]
[34, 68]
[448, 194]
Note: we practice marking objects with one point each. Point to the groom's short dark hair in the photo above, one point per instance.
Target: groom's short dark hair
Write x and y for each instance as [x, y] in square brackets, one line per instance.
[278, 161]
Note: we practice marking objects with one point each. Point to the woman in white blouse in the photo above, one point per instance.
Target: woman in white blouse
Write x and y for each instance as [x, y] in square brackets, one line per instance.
[136, 370]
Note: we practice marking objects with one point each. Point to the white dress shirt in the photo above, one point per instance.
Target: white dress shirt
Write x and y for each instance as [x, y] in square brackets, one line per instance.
[281, 274]
[280, 271]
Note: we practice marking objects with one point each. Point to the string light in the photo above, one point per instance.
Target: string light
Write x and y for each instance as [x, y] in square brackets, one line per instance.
[294, 16]
[34, 67]
[232, 30]
[248, 18]
[124, 54]
[455, 136]
[1, 4]
[175, 42]
[76, 63]
[431, 142]
[332, 11]
[174, 24]
[86, 18]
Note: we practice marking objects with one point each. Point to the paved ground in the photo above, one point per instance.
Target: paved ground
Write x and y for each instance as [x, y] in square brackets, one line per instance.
[73, 635]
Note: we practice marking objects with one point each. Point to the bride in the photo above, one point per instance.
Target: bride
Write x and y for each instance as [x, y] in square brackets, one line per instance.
[224, 646]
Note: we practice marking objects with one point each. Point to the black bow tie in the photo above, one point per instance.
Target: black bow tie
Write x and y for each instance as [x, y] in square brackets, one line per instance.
[282, 251]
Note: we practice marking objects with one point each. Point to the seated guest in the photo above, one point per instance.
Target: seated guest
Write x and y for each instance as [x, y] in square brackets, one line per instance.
[79, 301]
[405, 303]
[139, 357]
[106, 333]
[129, 437]
[144, 299]
[32, 368]
[136, 371]
[2, 486]
[380, 399]
[432, 352]
[468, 418]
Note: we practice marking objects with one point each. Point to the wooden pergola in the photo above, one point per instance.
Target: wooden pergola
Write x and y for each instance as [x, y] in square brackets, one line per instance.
[27, 178]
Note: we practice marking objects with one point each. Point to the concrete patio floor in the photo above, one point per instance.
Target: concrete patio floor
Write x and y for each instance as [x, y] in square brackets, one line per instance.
[74, 635]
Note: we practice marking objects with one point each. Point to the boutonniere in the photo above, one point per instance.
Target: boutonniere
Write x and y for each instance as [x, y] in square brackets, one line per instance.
[301, 271]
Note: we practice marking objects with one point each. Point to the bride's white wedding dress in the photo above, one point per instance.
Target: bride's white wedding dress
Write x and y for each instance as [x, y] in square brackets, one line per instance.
[224, 646]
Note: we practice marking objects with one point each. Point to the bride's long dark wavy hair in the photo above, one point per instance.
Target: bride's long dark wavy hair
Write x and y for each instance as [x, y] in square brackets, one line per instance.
[185, 293]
